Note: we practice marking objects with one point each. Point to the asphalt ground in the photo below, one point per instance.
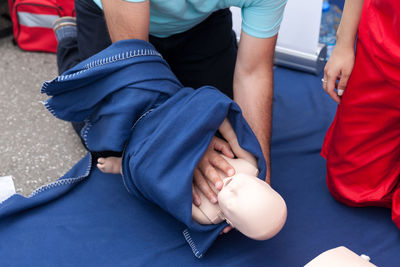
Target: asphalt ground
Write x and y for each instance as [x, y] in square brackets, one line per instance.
[35, 147]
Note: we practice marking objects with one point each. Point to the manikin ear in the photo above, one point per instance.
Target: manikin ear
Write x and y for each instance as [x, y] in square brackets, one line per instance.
[229, 135]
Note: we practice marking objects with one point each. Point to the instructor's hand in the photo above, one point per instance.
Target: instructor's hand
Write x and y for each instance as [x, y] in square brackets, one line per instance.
[207, 169]
[338, 67]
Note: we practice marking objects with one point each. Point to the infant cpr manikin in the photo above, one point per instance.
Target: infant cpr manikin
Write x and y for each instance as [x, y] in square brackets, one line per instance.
[340, 256]
[245, 202]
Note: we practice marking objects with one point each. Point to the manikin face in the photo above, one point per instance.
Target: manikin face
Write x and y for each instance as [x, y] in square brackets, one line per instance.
[252, 206]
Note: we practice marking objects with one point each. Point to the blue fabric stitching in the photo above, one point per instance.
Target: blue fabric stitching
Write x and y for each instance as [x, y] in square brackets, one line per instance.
[49, 108]
[100, 62]
[126, 186]
[141, 117]
[44, 86]
[118, 57]
[107, 60]
[192, 244]
[60, 182]
[85, 131]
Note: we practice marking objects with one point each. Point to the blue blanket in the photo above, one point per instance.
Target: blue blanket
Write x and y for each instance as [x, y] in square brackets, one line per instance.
[131, 101]
[88, 218]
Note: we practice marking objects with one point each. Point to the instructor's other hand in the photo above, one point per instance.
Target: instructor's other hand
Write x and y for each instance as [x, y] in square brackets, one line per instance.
[207, 168]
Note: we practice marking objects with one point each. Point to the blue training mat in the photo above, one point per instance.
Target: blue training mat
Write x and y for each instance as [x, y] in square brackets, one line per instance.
[88, 218]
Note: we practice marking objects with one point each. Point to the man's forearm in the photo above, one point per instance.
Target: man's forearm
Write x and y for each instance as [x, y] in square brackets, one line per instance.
[253, 88]
[127, 20]
[256, 103]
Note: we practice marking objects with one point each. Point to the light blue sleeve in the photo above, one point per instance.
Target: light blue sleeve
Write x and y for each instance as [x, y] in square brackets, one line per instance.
[262, 18]
[98, 2]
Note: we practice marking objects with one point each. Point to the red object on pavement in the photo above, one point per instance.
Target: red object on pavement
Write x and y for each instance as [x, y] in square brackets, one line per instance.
[33, 21]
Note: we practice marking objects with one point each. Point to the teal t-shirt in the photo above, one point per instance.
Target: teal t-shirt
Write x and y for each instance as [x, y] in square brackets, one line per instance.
[260, 18]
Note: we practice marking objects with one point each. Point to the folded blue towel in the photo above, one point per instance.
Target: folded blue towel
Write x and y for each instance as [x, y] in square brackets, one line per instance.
[131, 101]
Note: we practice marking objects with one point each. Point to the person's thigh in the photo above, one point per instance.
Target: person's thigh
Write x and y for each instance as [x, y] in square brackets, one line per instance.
[92, 36]
[67, 54]
[362, 146]
[204, 55]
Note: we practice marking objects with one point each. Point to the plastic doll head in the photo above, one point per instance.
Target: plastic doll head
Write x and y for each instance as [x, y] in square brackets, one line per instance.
[209, 213]
[246, 202]
[252, 206]
[340, 256]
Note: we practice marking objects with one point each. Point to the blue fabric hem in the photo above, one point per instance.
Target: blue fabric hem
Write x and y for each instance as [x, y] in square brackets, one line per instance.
[192, 244]
[48, 192]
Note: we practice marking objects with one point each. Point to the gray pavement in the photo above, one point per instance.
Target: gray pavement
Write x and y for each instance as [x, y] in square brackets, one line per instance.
[35, 147]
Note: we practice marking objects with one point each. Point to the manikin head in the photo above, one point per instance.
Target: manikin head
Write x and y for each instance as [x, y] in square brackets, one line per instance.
[340, 256]
[245, 202]
[252, 206]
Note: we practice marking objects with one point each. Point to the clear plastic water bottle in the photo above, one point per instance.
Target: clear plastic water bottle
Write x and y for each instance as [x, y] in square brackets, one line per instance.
[329, 22]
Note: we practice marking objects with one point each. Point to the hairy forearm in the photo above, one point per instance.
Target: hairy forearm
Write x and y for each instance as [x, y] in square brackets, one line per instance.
[127, 20]
[253, 88]
[347, 31]
[256, 104]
